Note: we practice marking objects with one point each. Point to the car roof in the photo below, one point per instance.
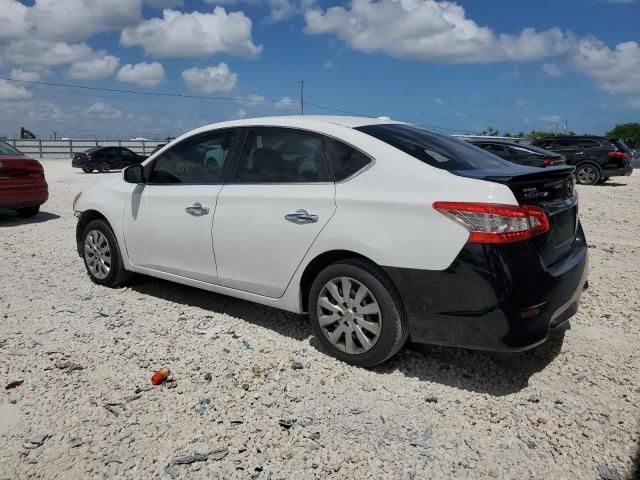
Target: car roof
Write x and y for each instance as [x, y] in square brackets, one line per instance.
[574, 137]
[300, 121]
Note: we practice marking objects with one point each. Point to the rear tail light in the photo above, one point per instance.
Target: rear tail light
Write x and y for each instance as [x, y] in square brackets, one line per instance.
[617, 154]
[554, 161]
[496, 223]
[89, 157]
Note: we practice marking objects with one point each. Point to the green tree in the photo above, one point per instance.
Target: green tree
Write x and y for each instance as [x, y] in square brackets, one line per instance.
[629, 133]
[492, 132]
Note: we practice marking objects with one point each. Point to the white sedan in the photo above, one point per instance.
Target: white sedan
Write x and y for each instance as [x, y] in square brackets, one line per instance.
[380, 230]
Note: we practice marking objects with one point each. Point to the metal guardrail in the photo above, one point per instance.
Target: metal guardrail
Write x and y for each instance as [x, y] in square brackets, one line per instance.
[67, 147]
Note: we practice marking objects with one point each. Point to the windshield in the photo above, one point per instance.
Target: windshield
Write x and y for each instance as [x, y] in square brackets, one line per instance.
[9, 151]
[434, 149]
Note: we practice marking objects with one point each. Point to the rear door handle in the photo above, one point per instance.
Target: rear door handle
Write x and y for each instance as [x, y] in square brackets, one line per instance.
[197, 210]
[301, 216]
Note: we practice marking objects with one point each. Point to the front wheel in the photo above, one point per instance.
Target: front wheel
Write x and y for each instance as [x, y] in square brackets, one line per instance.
[104, 167]
[356, 314]
[102, 256]
[27, 212]
[587, 174]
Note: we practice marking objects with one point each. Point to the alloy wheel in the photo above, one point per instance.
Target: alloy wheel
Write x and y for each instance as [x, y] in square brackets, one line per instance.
[97, 254]
[587, 175]
[349, 315]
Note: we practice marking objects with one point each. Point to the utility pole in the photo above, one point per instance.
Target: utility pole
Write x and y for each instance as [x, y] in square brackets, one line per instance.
[301, 97]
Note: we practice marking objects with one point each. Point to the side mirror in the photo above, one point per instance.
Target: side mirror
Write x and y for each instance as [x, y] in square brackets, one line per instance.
[133, 174]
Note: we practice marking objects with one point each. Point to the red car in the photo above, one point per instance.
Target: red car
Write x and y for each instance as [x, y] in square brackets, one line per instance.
[23, 187]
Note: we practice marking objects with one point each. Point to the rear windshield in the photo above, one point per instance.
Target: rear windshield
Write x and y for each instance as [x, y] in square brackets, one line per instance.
[92, 149]
[434, 149]
[620, 144]
[8, 150]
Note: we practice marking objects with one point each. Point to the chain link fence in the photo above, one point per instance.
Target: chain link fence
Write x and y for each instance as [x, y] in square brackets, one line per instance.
[65, 148]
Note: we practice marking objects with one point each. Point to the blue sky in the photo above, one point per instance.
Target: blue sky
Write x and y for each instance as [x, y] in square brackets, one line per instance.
[458, 66]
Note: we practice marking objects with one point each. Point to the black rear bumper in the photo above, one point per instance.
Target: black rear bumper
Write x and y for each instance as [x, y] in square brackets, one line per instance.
[618, 172]
[493, 297]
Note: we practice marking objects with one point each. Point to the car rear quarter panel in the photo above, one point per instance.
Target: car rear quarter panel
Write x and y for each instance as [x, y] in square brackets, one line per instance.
[385, 213]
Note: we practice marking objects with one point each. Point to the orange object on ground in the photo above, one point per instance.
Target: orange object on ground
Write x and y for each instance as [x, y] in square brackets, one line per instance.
[160, 376]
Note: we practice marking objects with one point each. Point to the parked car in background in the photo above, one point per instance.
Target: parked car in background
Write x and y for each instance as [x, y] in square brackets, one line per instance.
[157, 147]
[23, 187]
[519, 153]
[381, 231]
[596, 158]
[104, 159]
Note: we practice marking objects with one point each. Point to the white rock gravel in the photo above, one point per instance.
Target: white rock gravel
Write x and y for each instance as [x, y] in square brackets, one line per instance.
[236, 408]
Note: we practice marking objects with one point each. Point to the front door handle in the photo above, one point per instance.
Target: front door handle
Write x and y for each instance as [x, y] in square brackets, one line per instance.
[301, 216]
[197, 210]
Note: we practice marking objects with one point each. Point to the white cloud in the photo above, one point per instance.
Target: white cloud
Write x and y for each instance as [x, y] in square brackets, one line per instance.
[328, 64]
[284, 9]
[180, 34]
[286, 102]
[552, 69]
[211, 79]
[144, 74]
[101, 66]
[616, 71]
[240, 114]
[13, 18]
[551, 119]
[430, 30]
[634, 102]
[521, 103]
[253, 100]
[438, 100]
[103, 111]
[31, 51]
[27, 75]
[12, 91]
[73, 20]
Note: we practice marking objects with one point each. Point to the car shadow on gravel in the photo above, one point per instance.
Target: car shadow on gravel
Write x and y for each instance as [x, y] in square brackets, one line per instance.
[485, 372]
[9, 218]
[284, 323]
[493, 373]
[612, 184]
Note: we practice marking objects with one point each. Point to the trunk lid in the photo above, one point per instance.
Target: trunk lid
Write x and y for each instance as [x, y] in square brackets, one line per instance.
[19, 172]
[553, 189]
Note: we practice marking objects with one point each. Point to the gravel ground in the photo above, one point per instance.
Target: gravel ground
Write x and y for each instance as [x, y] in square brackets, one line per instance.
[253, 397]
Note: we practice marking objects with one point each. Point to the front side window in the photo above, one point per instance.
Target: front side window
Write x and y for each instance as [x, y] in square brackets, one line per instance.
[198, 160]
[567, 143]
[345, 160]
[590, 144]
[278, 155]
[434, 149]
[127, 153]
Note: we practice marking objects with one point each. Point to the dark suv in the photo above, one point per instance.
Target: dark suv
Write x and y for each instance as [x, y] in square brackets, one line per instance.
[596, 158]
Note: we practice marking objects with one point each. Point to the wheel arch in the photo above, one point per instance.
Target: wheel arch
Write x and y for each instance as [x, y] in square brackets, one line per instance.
[323, 260]
[84, 219]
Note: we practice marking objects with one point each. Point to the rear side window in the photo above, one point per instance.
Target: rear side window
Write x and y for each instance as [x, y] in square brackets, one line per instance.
[543, 143]
[589, 144]
[8, 150]
[434, 149]
[345, 160]
[280, 155]
[197, 161]
[567, 143]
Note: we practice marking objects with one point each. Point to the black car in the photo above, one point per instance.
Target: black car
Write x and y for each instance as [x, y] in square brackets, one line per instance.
[104, 159]
[596, 158]
[520, 154]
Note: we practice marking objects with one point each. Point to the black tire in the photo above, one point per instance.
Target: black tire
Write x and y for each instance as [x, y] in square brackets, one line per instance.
[588, 174]
[117, 274]
[104, 167]
[27, 212]
[87, 170]
[393, 328]
[603, 179]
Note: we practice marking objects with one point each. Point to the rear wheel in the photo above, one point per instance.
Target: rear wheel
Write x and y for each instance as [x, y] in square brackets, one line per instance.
[27, 212]
[102, 256]
[104, 167]
[356, 314]
[588, 174]
[87, 170]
